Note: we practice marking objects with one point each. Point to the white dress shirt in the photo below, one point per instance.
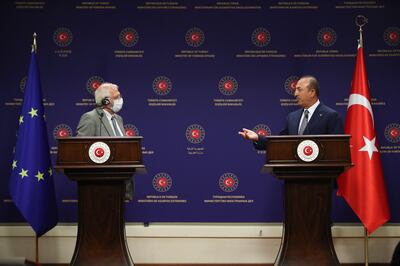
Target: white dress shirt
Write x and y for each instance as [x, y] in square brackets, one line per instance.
[109, 116]
[311, 111]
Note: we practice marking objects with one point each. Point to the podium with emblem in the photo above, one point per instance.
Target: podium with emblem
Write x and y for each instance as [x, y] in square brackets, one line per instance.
[309, 166]
[100, 166]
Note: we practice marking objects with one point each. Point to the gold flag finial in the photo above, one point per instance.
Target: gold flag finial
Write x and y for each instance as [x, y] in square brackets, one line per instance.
[360, 22]
[34, 45]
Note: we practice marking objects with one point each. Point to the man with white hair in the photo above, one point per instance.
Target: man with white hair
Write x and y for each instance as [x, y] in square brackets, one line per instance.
[104, 121]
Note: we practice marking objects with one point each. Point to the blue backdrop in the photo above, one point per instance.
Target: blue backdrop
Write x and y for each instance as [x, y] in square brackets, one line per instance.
[192, 74]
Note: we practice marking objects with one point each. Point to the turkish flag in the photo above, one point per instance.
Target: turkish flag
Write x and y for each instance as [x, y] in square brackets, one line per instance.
[363, 186]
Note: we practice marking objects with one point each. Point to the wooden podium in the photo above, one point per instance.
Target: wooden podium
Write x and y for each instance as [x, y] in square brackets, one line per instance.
[309, 165]
[100, 165]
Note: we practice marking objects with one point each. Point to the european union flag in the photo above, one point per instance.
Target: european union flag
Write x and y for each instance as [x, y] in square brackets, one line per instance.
[31, 182]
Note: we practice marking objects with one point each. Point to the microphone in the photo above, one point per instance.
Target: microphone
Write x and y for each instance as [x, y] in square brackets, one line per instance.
[101, 122]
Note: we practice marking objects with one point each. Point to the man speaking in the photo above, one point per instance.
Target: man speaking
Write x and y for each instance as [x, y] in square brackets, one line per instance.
[314, 118]
[104, 121]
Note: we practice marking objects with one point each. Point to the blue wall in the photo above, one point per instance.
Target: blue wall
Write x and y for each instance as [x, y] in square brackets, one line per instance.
[192, 74]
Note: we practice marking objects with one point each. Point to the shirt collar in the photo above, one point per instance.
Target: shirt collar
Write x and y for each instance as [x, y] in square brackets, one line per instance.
[109, 116]
[312, 108]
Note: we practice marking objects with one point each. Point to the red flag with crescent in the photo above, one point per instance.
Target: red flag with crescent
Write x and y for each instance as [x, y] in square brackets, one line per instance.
[363, 186]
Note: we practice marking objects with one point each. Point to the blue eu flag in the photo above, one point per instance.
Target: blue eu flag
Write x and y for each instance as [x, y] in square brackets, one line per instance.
[31, 181]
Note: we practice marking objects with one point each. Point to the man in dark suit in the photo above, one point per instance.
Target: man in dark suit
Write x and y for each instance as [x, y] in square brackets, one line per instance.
[104, 121]
[314, 118]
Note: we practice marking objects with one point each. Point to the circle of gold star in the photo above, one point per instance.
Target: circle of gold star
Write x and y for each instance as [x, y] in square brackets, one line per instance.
[14, 164]
[33, 112]
[23, 173]
[39, 176]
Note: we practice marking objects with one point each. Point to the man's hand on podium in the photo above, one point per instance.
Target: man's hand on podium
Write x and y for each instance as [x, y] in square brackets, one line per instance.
[248, 134]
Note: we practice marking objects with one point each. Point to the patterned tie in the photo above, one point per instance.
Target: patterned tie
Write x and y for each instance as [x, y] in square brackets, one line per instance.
[304, 122]
[114, 123]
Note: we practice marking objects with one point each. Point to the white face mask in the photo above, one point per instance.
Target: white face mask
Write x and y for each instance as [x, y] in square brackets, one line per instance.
[117, 106]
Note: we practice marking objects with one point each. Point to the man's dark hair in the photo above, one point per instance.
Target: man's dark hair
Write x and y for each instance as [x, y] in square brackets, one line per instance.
[313, 83]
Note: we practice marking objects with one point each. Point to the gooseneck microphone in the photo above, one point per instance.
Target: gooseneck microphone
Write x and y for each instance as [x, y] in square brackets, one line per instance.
[101, 122]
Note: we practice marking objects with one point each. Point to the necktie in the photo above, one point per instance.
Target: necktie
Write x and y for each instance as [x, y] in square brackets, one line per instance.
[304, 122]
[114, 124]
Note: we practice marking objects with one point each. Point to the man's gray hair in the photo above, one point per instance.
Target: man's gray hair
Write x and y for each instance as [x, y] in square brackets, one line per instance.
[103, 91]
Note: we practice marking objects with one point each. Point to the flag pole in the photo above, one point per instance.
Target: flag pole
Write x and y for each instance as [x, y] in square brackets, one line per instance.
[36, 250]
[360, 22]
[366, 255]
[34, 50]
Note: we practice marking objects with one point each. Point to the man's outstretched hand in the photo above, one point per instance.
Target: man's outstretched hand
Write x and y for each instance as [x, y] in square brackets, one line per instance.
[248, 134]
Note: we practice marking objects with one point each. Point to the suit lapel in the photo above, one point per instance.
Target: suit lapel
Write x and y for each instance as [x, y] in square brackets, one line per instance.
[317, 115]
[120, 124]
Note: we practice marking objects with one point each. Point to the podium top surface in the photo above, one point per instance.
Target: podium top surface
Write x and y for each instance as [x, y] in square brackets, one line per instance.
[99, 138]
[345, 136]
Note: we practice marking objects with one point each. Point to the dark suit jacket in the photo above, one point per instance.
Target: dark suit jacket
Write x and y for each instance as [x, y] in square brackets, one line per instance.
[324, 121]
